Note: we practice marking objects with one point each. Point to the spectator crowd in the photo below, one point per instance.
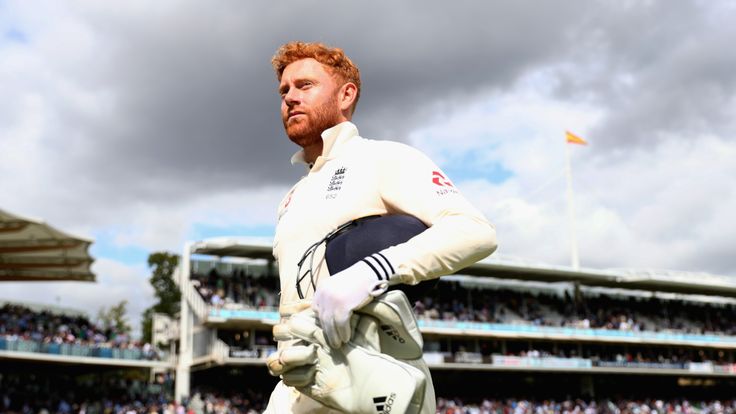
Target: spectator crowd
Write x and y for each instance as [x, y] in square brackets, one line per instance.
[116, 396]
[18, 322]
[237, 289]
[513, 406]
[590, 310]
[641, 354]
[253, 403]
[455, 302]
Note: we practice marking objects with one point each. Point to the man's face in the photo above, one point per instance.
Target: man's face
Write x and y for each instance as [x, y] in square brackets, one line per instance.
[308, 101]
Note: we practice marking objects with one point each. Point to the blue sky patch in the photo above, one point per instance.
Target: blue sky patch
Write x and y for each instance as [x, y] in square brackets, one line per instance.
[16, 35]
[201, 231]
[105, 247]
[469, 166]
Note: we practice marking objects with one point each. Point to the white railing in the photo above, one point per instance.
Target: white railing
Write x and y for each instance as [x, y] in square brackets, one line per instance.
[220, 351]
[199, 306]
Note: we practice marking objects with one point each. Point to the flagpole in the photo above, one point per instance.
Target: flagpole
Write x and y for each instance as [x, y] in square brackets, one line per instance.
[571, 212]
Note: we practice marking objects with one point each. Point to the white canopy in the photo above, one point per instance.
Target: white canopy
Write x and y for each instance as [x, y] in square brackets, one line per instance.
[30, 249]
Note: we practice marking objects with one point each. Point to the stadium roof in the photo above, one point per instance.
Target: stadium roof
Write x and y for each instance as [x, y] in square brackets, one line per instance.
[693, 283]
[30, 250]
[254, 248]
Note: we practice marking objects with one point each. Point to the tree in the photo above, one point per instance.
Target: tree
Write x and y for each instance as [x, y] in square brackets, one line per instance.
[162, 265]
[113, 320]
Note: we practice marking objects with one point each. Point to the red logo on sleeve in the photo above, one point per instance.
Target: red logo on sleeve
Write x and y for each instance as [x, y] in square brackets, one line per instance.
[288, 198]
[440, 179]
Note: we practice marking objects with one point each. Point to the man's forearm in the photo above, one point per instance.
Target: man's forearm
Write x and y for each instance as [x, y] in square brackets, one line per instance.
[450, 244]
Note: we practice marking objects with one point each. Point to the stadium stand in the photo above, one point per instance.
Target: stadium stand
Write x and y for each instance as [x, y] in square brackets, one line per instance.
[527, 332]
[455, 302]
[45, 331]
[237, 289]
[504, 337]
[57, 391]
[54, 359]
[451, 406]
[134, 396]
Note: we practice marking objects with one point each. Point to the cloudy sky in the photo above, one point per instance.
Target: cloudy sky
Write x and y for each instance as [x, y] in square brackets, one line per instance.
[145, 124]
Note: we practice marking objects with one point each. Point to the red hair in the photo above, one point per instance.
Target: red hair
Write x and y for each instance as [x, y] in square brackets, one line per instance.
[332, 57]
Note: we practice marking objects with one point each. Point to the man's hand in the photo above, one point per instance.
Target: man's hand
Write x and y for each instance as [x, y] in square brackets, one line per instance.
[346, 379]
[337, 296]
[296, 365]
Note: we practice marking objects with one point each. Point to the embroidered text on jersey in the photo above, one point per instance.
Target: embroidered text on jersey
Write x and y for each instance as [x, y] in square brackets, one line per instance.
[335, 183]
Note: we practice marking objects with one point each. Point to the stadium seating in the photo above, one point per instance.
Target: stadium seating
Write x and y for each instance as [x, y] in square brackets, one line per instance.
[25, 330]
[529, 349]
[454, 302]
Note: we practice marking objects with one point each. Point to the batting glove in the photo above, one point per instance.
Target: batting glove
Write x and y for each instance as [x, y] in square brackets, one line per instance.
[337, 296]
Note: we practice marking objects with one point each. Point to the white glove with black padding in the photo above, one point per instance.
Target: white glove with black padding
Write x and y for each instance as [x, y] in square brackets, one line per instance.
[398, 333]
[353, 378]
[395, 332]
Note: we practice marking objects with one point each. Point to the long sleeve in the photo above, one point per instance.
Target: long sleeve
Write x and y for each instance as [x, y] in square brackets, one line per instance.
[458, 234]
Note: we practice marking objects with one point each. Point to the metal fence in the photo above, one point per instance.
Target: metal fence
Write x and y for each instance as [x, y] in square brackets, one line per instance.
[95, 351]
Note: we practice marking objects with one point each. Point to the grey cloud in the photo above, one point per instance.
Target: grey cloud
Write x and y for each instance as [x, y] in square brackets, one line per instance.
[192, 98]
[178, 101]
[660, 72]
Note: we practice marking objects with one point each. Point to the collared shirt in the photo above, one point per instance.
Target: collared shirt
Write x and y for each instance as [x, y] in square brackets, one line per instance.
[357, 177]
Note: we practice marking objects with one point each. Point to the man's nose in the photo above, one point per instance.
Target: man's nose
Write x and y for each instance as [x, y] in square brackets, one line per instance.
[291, 98]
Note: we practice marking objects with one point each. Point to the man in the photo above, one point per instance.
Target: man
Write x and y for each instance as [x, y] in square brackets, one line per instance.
[349, 177]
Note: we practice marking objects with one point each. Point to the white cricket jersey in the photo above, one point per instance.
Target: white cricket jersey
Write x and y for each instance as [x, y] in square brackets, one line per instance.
[356, 177]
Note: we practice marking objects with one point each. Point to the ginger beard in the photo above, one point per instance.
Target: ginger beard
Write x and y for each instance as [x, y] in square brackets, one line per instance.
[306, 130]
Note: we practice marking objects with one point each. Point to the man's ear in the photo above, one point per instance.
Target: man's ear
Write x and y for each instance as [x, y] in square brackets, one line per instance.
[346, 96]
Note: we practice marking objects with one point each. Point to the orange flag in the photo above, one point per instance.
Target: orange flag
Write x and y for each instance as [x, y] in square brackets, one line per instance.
[574, 139]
